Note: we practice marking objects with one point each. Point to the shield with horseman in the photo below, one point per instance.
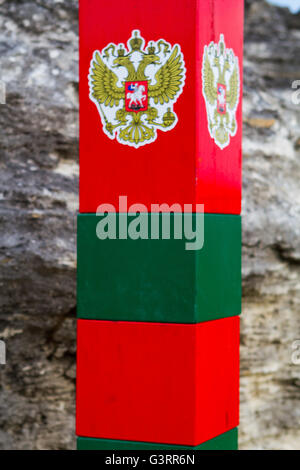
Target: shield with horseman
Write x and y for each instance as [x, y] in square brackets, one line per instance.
[136, 96]
[221, 100]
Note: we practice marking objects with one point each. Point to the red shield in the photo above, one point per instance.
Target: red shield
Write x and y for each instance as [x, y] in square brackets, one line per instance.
[136, 96]
[221, 99]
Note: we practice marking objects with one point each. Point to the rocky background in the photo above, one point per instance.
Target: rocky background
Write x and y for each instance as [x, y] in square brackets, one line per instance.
[38, 204]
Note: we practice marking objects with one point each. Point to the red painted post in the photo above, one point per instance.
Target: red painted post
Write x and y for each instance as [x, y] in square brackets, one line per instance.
[160, 123]
[182, 164]
[158, 382]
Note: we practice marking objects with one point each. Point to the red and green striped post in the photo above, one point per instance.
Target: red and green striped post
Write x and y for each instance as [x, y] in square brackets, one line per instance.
[159, 228]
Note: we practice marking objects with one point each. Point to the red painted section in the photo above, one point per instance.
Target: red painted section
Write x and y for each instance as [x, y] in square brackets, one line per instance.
[183, 165]
[166, 383]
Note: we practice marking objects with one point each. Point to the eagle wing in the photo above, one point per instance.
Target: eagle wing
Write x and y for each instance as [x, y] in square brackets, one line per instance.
[103, 83]
[168, 78]
[234, 86]
[210, 90]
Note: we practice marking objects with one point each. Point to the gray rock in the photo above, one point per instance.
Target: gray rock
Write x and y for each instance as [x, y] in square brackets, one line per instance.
[270, 398]
[38, 204]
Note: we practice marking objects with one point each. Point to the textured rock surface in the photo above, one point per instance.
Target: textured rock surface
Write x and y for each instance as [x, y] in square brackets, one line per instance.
[38, 203]
[270, 383]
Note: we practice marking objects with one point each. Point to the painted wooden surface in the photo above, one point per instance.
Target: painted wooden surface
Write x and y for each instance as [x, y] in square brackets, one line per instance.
[159, 280]
[183, 165]
[226, 441]
[166, 369]
[167, 383]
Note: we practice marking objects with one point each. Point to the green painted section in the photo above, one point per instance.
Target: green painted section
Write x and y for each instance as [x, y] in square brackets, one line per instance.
[159, 280]
[226, 441]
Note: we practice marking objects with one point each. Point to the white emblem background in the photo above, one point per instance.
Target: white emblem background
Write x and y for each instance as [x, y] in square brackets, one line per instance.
[212, 49]
[150, 71]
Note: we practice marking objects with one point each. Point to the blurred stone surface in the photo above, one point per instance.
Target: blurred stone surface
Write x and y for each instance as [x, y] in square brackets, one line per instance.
[38, 204]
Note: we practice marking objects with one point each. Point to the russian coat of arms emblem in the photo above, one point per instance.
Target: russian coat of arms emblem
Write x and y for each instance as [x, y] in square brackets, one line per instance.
[221, 91]
[135, 88]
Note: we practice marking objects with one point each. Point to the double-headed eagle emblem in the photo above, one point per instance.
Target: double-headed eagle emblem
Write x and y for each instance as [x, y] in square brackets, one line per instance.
[221, 90]
[135, 88]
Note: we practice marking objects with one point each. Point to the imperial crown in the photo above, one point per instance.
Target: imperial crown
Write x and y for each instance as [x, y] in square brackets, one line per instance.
[136, 43]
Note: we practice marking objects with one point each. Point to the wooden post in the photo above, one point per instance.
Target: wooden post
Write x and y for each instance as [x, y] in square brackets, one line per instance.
[159, 229]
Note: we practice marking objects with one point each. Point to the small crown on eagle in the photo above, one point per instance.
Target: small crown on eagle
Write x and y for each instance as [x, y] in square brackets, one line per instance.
[136, 43]
[121, 52]
[151, 49]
